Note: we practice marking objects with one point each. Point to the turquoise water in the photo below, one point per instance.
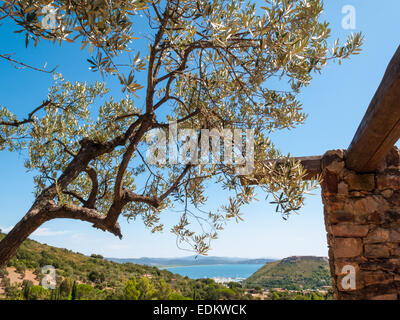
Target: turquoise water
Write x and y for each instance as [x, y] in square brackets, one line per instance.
[219, 272]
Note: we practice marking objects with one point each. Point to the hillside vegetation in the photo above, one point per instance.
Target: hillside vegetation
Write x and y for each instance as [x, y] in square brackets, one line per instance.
[80, 277]
[294, 273]
[83, 277]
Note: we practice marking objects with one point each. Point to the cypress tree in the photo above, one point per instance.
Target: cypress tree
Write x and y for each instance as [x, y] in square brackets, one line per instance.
[74, 292]
[26, 290]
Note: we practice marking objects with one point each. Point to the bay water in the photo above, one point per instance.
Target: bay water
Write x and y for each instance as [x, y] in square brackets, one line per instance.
[218, 272]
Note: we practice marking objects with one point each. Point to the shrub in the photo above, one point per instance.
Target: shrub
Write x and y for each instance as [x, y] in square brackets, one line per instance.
[38, 293]
[84, 292]
[177, 296]
[3, 272]
[97, 256]
[13, 292]
[131, 291]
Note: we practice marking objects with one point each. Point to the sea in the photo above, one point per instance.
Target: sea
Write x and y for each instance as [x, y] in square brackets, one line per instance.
[219, 272]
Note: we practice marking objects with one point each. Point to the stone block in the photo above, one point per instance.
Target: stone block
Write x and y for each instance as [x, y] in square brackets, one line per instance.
[379, 264]
[376, 236]
[394, 199]
[393, 157]
[347, 247]
[333, 204]
[368, 205]
[357, 194]
[350, 230]
[387, 193]
[391, 216]
[336, 167]
[389, 296]
[376, 251]
[339, 216]
[395, 263]
[343, 189]
[394, 236]
[329, 183]
[332, 156]
[396, 252]
[388, 182]
[376, 277]
[360, 182]
[367, 209]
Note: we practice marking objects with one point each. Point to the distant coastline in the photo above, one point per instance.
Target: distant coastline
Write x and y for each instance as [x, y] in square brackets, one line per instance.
[202, 265]
[191, 261]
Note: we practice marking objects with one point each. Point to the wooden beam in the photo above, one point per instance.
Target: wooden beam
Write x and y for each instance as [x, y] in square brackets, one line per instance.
[379, 130]
[311, 164]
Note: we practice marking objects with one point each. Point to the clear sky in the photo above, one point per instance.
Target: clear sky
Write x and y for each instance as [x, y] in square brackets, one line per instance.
[335, 102]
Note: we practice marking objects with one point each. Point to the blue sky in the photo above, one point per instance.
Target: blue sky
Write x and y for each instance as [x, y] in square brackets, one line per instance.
[335, 102]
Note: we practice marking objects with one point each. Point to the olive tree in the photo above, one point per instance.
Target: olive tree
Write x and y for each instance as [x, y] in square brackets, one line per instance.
[218, 64]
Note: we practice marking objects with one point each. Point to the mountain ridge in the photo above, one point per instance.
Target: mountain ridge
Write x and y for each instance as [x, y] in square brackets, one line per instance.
[191, 260]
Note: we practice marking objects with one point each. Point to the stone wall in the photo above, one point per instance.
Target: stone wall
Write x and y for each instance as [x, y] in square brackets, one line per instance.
[362, 219]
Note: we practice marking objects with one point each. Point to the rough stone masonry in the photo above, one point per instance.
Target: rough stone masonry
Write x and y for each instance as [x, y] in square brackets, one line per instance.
[362, 219]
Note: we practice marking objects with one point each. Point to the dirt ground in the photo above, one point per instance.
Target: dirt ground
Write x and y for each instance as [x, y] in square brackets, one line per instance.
[15, 277]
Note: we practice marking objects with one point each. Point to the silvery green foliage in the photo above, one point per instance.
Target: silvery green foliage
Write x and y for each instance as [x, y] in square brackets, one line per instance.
[210, 64]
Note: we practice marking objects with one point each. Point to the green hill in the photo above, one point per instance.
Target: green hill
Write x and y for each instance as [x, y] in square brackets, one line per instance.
[292, 273]
[97, 278]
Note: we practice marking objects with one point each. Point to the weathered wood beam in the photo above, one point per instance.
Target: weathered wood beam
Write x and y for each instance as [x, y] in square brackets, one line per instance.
[311, 164]
[379, 130]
